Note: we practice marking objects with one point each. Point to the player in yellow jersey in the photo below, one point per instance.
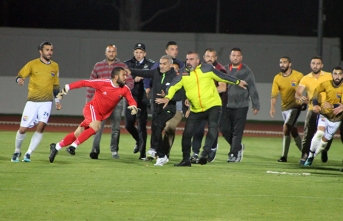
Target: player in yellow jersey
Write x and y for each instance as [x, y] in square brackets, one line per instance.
[330, 113]
[286, 83]
[43, 87]
[310, 83]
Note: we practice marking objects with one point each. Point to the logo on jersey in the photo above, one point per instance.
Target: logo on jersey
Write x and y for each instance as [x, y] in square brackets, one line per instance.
[294, 83]
[339, 95]
[105, 93]
[25, 118]
[52, 73]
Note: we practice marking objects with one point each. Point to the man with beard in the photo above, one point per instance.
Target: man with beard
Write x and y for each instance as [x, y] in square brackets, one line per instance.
[42, 89]
[310, 83]
[205, 103]
[286, 83]
[330, 113]
[102, 70]
[108, 93]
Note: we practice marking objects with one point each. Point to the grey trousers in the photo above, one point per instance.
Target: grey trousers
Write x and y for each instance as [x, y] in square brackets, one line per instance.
[115, 119]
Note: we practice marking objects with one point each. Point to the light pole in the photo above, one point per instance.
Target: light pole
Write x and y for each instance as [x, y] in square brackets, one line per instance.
[320, 29]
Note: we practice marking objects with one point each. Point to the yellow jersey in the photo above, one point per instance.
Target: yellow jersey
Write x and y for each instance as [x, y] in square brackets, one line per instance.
[310, 83]
[286, 86]
[333, 96]
[44, 78]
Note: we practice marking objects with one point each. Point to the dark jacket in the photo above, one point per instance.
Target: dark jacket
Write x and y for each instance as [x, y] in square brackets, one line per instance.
[161, 81]
[138, 89]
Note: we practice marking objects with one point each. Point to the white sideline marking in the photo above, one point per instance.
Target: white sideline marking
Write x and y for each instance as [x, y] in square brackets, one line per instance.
[286, 173]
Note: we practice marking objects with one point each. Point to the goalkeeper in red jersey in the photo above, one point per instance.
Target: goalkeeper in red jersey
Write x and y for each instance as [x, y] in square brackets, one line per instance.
[108, 92]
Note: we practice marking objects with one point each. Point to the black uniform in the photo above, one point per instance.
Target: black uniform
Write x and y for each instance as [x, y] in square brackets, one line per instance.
[138, 93]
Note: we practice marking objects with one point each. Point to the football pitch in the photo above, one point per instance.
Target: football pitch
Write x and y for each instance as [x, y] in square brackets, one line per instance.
[79, 188]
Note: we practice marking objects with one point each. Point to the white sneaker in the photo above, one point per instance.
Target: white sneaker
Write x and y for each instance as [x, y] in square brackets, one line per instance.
[150, 155]
[161, 161]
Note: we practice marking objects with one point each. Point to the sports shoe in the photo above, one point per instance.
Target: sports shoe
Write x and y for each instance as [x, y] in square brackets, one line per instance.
[136, 149]
[71, 150]
[194, 158]
[15, 157]
[115, 155]
[184, 163]
[232, 159]
[93, 155]
[202, 160]
[27, 158]
[309, 161]
[240, 154]
[150, 155]
[212, 154]
[324, 156]
[302, 162]
[282, 159]
[53, 152]
[161, 161]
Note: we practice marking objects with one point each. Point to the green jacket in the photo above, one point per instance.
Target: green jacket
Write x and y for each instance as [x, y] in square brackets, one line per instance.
[200, 88]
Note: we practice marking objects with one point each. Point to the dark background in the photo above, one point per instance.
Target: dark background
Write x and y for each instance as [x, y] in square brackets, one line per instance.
[266, 17]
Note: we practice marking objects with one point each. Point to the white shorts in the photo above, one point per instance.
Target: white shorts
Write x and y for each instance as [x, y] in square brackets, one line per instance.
[290, 116]
[35, 112]
[330, 127]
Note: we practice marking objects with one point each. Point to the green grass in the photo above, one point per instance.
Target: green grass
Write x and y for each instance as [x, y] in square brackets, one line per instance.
[78, 188]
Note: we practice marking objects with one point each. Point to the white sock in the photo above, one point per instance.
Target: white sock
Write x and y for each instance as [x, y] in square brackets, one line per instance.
[321, 147]
[74, 145]
[297, 141]
[315, 142]
[285, 145]
[35, 140]
[58, 147]
[19, 138]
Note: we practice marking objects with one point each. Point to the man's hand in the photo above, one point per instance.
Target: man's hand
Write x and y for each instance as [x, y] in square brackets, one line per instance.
[242, 84]
[302, 100]
[255, 111]
[327, 105]
[138, 79]
[58, 106]
[316, 109]
[147, 91]
[187, 104]
[162, 94]
[338, 110]
[134, 109]
[21, 81]
[63, 92]
[272, 112]
[127, 71]
[164, 101]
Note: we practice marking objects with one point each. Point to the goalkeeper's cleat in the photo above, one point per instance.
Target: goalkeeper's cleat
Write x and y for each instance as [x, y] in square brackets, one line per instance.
[27, 158]
[15, 157]
[71, 150]
[309, 161]
[53, 152]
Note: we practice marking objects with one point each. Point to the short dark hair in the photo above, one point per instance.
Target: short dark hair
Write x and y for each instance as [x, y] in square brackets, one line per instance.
[236, 49]
[170, 43]
[288, 59]
[210, 50]
[41, 46]
[337, 68]
[116, 71]
[317, 57]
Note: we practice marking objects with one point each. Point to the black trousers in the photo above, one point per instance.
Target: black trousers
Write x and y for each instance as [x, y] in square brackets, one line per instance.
[232, 127]
[197, 138]
[193, 122]
[138, 133]
[157, 125]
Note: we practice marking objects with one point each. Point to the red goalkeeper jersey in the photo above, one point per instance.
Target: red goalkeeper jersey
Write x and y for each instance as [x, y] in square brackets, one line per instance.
[106, 96]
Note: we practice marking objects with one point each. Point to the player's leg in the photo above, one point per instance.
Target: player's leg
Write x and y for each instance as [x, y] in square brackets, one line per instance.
[115, 129]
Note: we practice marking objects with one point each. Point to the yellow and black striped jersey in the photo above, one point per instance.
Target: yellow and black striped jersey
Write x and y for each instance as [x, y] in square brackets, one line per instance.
[286, 86]
[43, 79]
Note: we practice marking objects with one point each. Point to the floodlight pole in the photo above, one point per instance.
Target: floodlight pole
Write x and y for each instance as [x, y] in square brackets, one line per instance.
[320, 29]
[218, 17]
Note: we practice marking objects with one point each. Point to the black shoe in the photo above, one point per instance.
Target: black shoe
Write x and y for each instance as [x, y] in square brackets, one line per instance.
[232, 158]
[324, 156]
[202, 160]
[136, 149]
[282, 159]
[93, 155]
[71, 150]
[184, 163]
[53, 152]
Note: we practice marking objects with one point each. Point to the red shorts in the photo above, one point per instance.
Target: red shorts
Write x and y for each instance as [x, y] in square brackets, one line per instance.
[90, 114]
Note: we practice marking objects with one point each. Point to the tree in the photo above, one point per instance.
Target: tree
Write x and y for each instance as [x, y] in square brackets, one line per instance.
[130, 18]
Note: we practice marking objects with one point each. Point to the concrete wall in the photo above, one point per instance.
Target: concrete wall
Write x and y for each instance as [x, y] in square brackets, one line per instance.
[76, 51]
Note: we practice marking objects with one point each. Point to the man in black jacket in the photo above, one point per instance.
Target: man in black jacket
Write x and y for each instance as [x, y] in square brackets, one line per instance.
[162, 78]
[139, 134]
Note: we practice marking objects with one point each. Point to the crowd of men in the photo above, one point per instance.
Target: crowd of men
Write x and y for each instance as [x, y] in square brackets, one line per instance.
[206, 93]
